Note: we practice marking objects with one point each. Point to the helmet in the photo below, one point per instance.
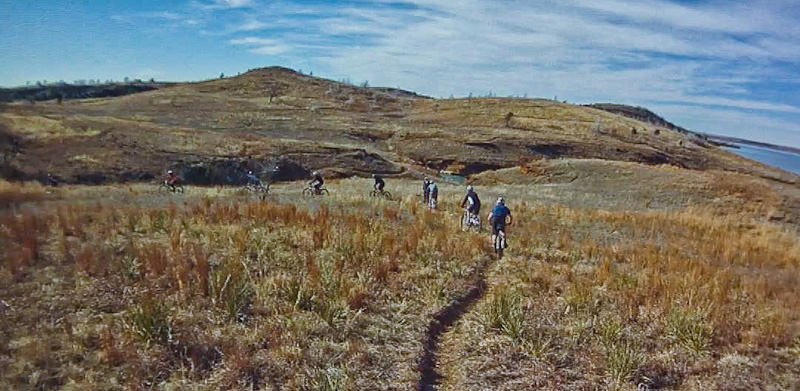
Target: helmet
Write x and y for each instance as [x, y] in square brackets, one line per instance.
[469, 188]
[169, 172]
[315, 173]
[501, 201]
[374, 175]
[250, 172]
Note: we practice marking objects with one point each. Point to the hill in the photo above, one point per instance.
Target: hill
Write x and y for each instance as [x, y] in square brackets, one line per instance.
[213, 130]
[639, 257]
[71, 91]
[638, 113]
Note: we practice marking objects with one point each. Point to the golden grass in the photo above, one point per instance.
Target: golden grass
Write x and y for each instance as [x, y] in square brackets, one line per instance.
[17, 192]
[219, 292]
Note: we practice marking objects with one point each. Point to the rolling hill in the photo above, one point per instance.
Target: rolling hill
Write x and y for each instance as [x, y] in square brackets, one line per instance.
[211, 131]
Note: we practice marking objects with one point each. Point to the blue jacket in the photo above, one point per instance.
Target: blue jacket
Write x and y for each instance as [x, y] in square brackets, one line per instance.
[500, 212]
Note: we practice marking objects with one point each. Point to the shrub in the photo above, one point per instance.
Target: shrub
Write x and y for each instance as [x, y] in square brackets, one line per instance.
[622, 360]
[150, 321]
[504, 312]
[690, 330]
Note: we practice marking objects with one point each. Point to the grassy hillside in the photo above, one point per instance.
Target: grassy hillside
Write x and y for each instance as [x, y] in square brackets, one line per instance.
[119, 287]
[275, 113]
[640, 257]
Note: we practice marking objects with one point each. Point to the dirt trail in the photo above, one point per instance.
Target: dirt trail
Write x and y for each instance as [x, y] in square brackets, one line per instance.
[441, 322]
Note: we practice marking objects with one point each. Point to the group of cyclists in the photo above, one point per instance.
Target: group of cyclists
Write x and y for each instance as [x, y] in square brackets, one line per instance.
[498, 217]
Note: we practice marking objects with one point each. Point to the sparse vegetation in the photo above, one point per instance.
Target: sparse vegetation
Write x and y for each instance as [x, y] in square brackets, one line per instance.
[618, 274]
[219, 292]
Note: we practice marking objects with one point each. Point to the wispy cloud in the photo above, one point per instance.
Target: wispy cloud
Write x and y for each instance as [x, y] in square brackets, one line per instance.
[261, 45]
[722, 56]
[222, 4]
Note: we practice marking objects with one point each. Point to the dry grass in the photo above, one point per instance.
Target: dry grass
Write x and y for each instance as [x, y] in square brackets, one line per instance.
[14, 193]
[220, 292]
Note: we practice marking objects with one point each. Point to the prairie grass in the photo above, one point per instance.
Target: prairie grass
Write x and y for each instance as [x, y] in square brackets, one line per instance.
[222, 292]
[14, 193]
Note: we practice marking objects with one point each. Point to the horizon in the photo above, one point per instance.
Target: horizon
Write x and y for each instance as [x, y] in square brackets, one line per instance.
[710, 67]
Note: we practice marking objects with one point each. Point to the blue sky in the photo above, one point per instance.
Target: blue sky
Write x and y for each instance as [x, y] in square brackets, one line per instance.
[722, 67]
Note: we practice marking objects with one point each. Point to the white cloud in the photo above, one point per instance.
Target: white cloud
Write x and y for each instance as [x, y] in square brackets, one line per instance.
[222, 4]
[251, 25]
[634, 52]
[258, 45]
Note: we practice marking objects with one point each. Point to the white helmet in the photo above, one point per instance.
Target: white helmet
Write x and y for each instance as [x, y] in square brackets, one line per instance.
[169, 171]
[315, 173]
[250, 172]
[469, 188]
[500, 201]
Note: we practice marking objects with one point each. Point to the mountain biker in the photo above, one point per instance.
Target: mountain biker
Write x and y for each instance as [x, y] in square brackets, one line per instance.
[252, 179]
[379, 183]
[425, 183]
[51, 180]
[275, 172]
[172, 179]
[472, 202]
[497, 217]
[433, 194]
[316, 182]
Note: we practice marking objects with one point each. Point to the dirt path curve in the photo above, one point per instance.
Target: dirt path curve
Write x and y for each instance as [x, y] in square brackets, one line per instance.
[441, 322]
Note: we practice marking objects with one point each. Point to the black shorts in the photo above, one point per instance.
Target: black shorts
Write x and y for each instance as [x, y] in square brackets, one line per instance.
[474, 209]
[498, 226]
[380, 186]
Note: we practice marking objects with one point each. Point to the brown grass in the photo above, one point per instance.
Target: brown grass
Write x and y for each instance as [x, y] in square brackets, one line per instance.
[226, 293]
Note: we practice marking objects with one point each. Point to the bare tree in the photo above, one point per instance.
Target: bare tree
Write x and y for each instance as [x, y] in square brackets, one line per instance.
[273, 90]
[507, 118]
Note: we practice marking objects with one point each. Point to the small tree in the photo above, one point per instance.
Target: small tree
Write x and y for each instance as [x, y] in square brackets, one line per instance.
[507, 118]
[273, 90]
[222, 75]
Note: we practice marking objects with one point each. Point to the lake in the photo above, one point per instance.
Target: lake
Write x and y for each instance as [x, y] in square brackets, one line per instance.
[781, 159]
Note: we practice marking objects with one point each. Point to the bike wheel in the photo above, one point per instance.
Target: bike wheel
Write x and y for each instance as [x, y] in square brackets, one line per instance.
[387, 195]
[465, 221]
[163, 188]
[324, 192]
[498, 244]
[307, 192]
[179, 189]
[373, 193]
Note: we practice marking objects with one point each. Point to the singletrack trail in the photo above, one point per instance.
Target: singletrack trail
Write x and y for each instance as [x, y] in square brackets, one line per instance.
[441, 322]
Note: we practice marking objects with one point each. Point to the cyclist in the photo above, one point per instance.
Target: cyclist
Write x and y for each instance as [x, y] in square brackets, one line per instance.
[316, 182]
[472, 202]
[379, 183]
[252, 179]
[276, 171]
[51, 180]
[172, 179]
[433, 194]
[497, 218]
[425, 183]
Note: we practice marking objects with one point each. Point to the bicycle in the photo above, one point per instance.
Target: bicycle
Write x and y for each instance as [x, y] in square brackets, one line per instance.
[166, 187]
[381, 193]
[471, 220]
[311, 191]
[500, 242]
[432, 203]
[259, 189]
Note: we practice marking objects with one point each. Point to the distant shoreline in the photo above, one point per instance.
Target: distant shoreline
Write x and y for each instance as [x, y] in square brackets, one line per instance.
[732, 141]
